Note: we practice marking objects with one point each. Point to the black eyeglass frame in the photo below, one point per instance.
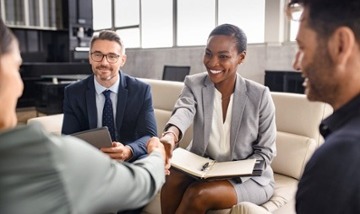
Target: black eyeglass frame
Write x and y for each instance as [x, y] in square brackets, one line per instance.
[106, 56]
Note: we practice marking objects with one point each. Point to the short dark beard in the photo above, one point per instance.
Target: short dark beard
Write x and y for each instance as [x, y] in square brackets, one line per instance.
[320, 73]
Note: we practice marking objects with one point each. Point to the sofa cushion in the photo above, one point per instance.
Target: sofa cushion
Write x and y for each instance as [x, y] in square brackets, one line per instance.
[285, 189]
[248, 208]
[293, 151]
[164, 93]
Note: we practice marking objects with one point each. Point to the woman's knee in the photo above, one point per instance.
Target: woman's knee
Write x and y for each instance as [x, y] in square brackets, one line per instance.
[210, 195]
[196, 195]
[195, 190]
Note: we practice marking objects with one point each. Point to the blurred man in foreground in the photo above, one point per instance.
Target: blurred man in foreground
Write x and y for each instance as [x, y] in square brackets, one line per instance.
[329, 59]
[43, 173]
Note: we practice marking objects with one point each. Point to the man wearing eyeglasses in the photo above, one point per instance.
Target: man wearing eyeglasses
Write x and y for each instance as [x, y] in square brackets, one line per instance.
[111, 98]
[329, 60]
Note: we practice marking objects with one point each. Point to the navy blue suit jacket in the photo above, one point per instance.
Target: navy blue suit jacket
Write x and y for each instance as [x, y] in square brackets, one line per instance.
[135, 119]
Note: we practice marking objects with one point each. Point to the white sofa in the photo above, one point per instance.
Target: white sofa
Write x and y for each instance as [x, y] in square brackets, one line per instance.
[52, 123]
[297, 122]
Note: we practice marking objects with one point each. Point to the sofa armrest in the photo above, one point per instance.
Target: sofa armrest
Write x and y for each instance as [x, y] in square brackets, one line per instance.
[293, 153]
[51, 123]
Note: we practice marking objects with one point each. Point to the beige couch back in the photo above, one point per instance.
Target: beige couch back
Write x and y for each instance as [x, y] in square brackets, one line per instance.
[297, 122]
[165, 94]
[296, 115]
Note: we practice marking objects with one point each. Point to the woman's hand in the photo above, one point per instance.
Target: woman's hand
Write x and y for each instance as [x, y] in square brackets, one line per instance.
[169, 144]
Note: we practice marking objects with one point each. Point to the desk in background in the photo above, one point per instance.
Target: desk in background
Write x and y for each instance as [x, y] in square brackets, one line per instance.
[31, 73]
[66, 78]
[51, 92]
[284, 81]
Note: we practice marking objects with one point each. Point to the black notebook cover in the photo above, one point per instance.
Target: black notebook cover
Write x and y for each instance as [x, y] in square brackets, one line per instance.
[98, 137]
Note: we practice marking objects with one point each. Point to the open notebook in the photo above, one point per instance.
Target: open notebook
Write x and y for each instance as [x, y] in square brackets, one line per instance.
[98, 137]
[204, 168]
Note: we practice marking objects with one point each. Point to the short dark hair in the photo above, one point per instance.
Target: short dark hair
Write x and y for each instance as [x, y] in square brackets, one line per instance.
[6, 38]
[232, 30]
[325, 16]
[110, 36]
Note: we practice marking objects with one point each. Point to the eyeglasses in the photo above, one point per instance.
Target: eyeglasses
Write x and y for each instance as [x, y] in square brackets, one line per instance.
[294, 11]
[98, 57]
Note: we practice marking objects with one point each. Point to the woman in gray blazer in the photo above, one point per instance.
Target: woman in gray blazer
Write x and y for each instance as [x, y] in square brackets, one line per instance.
[233, 118]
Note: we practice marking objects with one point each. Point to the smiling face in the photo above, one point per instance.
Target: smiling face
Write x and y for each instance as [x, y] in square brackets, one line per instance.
[11, 86]
[106, 73]
[316, 65]
[221, 59]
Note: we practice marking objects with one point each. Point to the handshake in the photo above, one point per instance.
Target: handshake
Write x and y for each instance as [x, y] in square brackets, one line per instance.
[165, 145]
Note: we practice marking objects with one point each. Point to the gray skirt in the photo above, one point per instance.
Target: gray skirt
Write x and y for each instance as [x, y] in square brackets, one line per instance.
[252, 191]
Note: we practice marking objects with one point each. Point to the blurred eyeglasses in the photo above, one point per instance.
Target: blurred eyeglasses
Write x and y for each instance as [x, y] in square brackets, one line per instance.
[98, 57]
[294, 11]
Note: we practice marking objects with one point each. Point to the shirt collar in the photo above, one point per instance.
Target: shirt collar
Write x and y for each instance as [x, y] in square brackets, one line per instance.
[114, 88]
[340, 117]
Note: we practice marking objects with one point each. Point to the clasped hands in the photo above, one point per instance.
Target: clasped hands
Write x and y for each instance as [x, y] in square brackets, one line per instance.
[165, 146]
[167, 143]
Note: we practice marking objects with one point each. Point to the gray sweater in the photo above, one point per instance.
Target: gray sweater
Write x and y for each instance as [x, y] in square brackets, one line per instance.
[44, 173]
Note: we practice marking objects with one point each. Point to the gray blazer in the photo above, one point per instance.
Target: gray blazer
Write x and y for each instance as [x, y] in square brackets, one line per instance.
[253, 129]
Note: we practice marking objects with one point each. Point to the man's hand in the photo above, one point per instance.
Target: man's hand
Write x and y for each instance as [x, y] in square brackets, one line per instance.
[154, 144]
[118, 151]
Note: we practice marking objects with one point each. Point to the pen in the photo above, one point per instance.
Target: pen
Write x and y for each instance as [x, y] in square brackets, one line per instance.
[205, 166]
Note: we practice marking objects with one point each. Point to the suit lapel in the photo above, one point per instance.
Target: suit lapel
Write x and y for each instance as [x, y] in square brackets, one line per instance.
[239, 103]
[208, 108]
[121, 102]
[91, 103]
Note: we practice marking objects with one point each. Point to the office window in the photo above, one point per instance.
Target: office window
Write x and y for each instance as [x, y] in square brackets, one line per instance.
[195, 21]
[157, 23]
[102, 14]
[49, 13]
[126, 13]
[127, 22]
[130, 37]
[248, 15]
[294, 26]
[14, 12]
[34, 19]
[42, 14]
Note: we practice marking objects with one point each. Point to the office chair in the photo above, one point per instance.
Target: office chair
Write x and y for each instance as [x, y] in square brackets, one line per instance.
[175, 73]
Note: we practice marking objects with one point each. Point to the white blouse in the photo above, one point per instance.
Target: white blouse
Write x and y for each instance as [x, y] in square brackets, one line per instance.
[219, 141]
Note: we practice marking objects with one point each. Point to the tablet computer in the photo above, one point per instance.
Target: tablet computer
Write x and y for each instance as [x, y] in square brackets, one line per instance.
[98, 137]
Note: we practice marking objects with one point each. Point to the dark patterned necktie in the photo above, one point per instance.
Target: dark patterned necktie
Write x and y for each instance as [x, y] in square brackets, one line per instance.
[108, 114]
